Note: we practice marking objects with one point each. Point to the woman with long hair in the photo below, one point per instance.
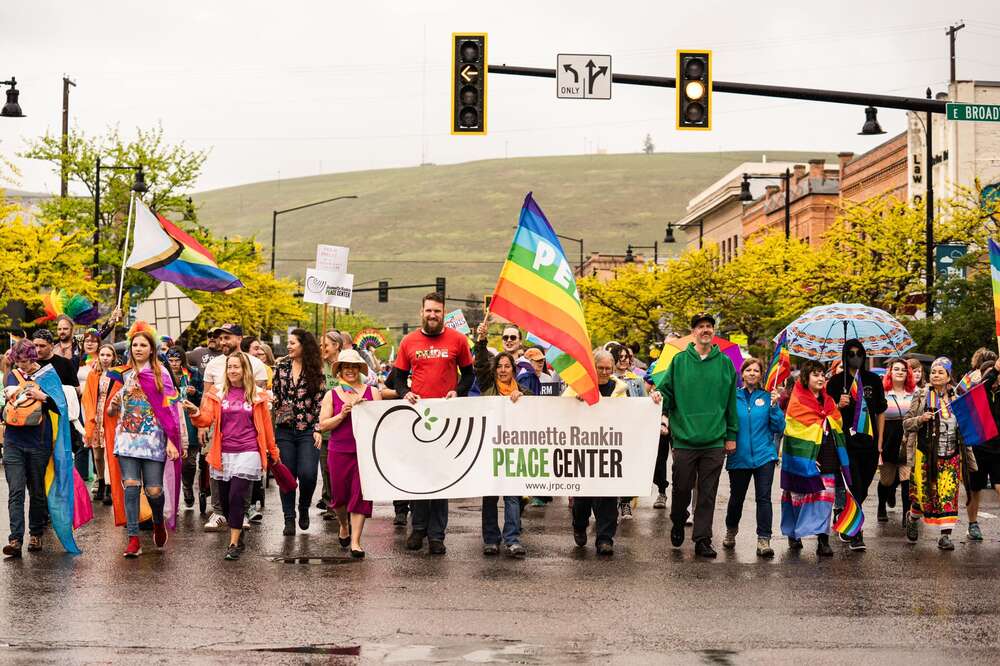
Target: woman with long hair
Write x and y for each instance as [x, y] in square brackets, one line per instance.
[149, 441]
[242, 439]
[937, 460]
[97, 435]
[917, 370]
[899, 386]
[335, 418]
[188, 381]
[813, 455]
[299, 387]
[88, 357]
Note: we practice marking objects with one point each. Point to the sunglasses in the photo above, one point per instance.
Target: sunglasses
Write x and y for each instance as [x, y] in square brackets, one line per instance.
[509, 338]
[854, 353]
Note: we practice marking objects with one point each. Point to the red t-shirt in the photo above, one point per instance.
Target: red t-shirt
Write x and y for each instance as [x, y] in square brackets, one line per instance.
[433, 361]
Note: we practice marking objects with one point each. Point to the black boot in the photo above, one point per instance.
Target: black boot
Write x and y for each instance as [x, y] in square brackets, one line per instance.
[107, 499]
[823, 545]
[883, 516]
[99, 490]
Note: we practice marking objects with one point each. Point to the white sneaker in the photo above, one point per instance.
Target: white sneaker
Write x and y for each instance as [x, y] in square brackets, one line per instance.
[661, 502]
[256, 515]
[216, 523]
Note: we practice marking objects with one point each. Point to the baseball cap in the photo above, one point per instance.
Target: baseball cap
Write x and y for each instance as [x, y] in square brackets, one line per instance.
[700, 317]
[231, 329]
[534, 354]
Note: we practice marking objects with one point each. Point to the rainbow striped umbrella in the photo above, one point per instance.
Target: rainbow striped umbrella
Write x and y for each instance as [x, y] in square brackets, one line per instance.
[821, 332]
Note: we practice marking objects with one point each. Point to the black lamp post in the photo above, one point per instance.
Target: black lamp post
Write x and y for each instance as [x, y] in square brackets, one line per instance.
[746, 197]
[12, 109]
[668, 234]
[871, 126]
[655, 247]
[138, 186]
[274, 220]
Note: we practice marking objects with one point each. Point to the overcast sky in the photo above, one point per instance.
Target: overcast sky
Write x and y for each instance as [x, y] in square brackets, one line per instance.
[287, 89]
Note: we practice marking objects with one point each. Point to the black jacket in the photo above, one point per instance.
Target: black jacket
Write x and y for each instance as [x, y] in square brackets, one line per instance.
[874, 398]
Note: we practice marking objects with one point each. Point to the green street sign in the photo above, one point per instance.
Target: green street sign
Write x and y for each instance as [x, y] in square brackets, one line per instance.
[981, 112]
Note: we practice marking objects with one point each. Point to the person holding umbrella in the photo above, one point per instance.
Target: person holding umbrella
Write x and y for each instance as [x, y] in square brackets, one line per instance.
[848, 388]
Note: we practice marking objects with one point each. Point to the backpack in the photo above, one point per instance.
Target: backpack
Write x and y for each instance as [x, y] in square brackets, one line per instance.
[22, 410]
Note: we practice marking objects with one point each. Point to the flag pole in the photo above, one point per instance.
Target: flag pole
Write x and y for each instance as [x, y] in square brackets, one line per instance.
[128, 234]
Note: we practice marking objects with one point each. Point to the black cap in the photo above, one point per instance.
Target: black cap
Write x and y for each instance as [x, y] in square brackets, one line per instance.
[700, 317]
[232, 329]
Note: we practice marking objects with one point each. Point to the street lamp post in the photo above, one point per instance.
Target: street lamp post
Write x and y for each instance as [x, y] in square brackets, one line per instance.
[274, 220]
[655, 247]
[64, 176]
[746, 197]
[138, 186]
[929, 203]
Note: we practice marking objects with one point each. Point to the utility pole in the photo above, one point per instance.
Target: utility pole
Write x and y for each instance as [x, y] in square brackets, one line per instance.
[951, 39]
[64, 182]
[929, 202]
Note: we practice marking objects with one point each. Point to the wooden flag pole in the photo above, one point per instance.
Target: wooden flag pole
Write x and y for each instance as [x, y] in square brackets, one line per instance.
[322, 331]
[128, 230]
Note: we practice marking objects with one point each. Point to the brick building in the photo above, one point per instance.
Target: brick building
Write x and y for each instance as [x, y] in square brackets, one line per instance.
[879, 172]
[814, 204]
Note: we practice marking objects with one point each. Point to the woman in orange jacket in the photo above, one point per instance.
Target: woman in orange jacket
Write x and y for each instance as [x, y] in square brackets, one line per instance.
[242, 440]
[100, 431]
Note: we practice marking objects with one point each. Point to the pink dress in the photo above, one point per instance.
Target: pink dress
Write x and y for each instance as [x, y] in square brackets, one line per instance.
[342, 460]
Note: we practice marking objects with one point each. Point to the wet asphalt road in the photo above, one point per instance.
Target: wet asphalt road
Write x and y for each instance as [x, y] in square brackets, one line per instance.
[897, 603]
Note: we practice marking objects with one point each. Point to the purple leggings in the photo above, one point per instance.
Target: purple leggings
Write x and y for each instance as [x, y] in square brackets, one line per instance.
[233, 496]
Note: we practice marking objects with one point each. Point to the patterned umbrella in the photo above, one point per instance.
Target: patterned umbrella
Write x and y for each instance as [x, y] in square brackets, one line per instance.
[821, 332]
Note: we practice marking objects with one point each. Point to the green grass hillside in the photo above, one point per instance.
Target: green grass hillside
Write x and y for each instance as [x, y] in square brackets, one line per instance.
[410, 225]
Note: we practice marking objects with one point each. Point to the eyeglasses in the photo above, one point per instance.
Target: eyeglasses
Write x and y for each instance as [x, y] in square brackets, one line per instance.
[510, 338]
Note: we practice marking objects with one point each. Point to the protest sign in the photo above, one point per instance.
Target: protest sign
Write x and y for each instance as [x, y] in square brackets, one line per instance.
[472, 447]
[328, 288]
[456, 320]
[331, 258]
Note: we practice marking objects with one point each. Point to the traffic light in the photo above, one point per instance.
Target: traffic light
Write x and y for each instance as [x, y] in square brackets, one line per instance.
[694, 90]
[383, 291]
[406, 328]
[468, 83]
[439, 285]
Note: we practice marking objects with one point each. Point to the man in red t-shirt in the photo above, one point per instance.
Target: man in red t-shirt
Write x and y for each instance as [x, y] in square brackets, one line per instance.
[439, 360]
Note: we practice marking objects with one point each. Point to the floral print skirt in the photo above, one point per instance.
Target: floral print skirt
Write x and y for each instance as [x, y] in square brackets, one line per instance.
[936, 502]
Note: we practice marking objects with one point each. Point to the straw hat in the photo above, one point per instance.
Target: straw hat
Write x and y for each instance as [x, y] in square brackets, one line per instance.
[348, 357]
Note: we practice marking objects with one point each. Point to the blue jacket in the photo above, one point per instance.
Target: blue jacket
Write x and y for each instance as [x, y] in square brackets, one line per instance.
[759, 422]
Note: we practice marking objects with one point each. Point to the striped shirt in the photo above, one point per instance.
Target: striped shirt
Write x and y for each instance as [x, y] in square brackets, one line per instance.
[898, 405]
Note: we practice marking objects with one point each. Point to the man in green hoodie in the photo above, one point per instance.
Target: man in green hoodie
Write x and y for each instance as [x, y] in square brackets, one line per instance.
[699, 397]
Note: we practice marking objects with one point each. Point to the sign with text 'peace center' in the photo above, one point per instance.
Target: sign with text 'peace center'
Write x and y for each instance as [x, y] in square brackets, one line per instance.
[474, 447]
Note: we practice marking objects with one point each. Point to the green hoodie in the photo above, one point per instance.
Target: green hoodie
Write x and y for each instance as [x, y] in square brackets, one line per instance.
[699, 396]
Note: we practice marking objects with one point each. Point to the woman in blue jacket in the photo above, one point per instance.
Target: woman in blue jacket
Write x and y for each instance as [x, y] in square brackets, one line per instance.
[761, 421]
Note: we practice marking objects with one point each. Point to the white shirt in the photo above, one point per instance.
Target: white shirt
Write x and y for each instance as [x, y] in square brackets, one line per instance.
[215, 371]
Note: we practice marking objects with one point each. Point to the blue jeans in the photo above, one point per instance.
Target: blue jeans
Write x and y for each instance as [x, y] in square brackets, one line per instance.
[739, 482]
[150, 472]
[25, 468]
[301, 456]
[511, 520]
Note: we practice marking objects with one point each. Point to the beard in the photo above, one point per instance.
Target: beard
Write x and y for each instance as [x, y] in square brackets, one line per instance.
[434, 328]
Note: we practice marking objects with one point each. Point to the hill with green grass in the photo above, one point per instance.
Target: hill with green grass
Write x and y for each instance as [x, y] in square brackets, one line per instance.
[411, 225]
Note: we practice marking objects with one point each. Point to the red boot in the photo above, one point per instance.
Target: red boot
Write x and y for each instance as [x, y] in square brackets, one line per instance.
[159, 535]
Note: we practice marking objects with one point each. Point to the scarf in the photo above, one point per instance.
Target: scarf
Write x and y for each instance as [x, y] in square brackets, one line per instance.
[505, 388]
[938, 403]
[807, 421]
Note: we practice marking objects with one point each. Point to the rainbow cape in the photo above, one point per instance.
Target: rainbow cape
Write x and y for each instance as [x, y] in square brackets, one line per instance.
[165, 252]
[862, 419]
[995, 274]
[781, 365]
[975, 420]
[66, 493]
[76, 307]
[537, 291]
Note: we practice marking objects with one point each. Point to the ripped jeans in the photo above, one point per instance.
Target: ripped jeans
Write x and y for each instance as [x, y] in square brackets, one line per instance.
[150, 473]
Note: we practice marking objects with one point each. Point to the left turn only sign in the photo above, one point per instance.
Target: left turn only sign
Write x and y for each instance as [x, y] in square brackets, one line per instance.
[581, 76]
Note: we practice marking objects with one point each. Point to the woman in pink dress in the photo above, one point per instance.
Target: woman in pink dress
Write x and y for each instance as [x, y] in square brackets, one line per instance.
[335, 418]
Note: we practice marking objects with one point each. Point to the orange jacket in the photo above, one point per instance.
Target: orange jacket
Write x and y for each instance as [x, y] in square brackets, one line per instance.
[210, 414]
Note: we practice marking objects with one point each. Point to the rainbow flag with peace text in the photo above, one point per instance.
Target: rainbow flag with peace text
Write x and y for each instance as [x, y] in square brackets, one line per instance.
[537, 291]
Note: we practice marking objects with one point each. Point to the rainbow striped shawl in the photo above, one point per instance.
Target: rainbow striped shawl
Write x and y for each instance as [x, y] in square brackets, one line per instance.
[806, 423]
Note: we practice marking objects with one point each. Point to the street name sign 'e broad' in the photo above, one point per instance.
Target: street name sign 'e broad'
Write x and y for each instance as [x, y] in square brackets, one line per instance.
[981, 112]
[580, 76]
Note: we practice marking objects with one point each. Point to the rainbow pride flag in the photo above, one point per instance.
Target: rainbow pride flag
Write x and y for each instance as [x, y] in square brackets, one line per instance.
[975, 420]
[995, 273]
[781, 365]
[658, 372]
[537, 291]
[65, 492]
[862, 419]
[164, 251]
[851, 519]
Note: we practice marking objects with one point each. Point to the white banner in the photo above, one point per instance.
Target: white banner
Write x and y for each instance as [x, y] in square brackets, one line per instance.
[330, 288]
[473, 447]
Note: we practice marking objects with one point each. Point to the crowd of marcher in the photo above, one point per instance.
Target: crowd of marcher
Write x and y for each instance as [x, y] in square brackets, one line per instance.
[163, 430]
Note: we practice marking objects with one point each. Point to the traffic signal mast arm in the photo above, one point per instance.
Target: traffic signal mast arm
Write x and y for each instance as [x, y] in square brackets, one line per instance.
[760, 90]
